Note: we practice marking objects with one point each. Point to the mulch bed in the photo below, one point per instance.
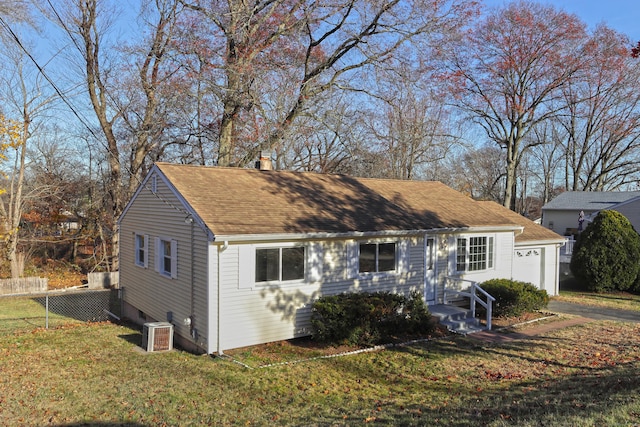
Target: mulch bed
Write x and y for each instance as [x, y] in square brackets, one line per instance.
[307, 348]
[505, 322]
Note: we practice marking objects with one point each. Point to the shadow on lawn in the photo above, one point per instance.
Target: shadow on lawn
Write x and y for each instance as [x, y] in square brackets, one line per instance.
[134, 338]
[566, 401]
[537, 391]
[102, 424]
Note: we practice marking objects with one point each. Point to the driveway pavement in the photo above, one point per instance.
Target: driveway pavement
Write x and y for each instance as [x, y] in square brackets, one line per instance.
[594, 312]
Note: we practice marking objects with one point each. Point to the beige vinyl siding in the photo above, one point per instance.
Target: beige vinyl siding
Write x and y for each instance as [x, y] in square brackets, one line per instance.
[264, 313]
[504, 254]
[258, 314]
[145, 288]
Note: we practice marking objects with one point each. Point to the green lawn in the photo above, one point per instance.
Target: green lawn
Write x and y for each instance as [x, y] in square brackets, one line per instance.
[570, 291]
[90, 373]
[26, 314]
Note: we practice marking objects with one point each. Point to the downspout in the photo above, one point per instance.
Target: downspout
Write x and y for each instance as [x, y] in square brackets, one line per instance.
[192, 317]
[221, 249]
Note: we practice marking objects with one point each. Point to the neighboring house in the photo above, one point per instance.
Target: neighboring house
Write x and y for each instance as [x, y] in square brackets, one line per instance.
[68, 221]
[562, 213]
[235, 257]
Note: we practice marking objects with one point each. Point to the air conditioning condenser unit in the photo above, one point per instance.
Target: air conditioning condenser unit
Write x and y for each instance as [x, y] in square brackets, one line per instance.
[157, 336]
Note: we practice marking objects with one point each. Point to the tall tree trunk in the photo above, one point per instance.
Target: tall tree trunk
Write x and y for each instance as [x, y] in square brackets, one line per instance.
[98, 94]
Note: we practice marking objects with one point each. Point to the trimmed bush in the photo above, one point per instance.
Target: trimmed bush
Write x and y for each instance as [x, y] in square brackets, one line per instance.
[606, 256]
[514, 298]
[368, 318]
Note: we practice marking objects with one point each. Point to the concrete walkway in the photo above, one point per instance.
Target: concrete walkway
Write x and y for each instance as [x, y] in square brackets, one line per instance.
[583, 313]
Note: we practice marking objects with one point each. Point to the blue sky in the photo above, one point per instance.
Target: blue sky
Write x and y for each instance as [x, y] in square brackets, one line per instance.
[621, 15]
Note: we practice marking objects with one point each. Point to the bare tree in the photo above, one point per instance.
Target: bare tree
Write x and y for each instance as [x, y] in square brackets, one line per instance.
[478, 172]
[508, 73]
[129, 99]
[322, 141]
[546, 158]
[602, 119]
[409, 123]
[304, 49]
[26, 98]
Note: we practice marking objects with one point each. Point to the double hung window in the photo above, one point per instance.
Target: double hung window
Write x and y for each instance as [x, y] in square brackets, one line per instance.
[167, 257]
[141, 250]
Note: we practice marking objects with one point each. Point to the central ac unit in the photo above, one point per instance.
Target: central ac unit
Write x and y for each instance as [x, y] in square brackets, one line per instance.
[157, 336]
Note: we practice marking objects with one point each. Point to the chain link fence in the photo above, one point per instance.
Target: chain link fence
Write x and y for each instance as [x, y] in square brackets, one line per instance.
[58, 308]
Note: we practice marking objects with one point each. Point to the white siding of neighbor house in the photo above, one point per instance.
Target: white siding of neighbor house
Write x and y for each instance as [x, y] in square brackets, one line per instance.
[254, 313]
[562, 220]
[631, 211]
[569, 219]
[147, 290]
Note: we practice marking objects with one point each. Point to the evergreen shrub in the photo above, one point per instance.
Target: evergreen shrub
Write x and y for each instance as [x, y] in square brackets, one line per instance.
[369, 318]
[514, 297]
[606, 256]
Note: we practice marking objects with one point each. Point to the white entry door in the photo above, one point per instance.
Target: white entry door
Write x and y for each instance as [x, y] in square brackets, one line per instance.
[430, 270]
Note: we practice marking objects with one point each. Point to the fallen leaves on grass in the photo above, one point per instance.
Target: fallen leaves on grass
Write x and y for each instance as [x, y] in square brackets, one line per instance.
[497, 375]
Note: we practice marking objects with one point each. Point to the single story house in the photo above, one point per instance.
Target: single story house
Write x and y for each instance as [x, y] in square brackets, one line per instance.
[235, 257]
[562, 214]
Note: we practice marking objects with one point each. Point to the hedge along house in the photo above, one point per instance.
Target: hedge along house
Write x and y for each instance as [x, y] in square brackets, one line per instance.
[235, 257]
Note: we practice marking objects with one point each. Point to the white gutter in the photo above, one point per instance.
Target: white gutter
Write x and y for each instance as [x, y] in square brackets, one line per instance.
[517, 233]
[557, 242]
[357, 234]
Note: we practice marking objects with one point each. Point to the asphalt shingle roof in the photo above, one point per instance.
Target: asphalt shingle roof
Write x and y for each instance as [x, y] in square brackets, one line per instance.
[234, 201]
[532, 231]
[589, 200]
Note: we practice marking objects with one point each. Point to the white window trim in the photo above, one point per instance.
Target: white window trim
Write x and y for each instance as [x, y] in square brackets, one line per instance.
[353, 259]
[145, 262]
[491, 253]
[313, 264]
[159, 257]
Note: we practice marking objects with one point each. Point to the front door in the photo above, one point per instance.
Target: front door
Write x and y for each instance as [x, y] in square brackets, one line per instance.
[430, 270]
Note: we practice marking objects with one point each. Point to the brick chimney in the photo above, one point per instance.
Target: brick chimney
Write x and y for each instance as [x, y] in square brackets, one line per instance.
[265, 163]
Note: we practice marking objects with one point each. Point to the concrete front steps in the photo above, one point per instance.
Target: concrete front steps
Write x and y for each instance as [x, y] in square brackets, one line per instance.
[456, 319]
